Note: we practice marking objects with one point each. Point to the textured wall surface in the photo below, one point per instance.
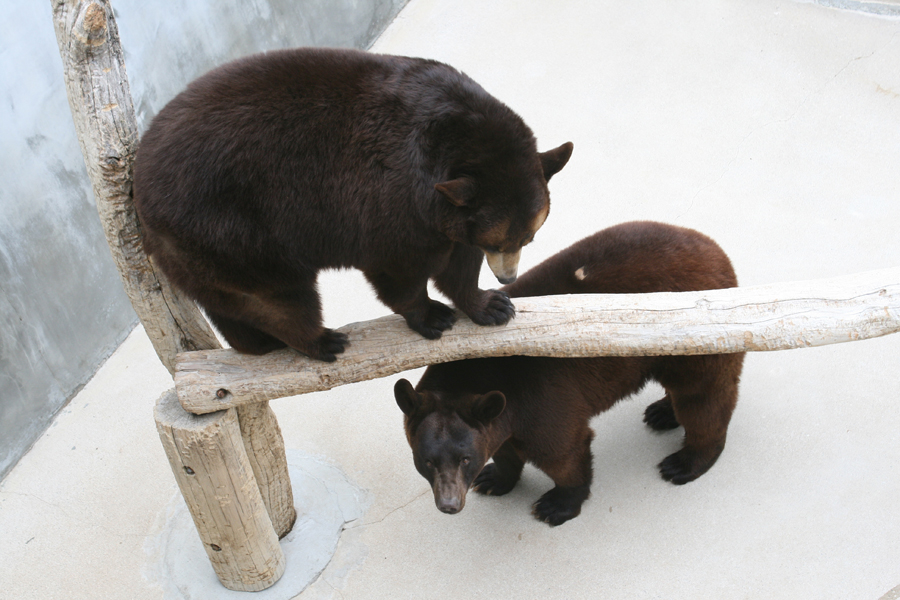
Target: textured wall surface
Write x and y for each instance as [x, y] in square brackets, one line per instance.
[62, 309]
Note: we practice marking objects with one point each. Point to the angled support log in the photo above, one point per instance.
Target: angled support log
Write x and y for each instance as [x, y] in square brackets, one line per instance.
[102, 110]
[769, 317]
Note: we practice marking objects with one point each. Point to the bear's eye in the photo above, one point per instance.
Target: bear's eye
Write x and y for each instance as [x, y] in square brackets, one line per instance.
[464, 461]
[429, 464]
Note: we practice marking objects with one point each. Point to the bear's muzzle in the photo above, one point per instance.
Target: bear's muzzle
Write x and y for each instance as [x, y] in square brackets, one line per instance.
[450, 491]
[504, 265]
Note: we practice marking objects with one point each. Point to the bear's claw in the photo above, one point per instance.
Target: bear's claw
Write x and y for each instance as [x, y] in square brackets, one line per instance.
[329, 344]
[560, 504]
[689, 463]
[495, 309]
[440, 317]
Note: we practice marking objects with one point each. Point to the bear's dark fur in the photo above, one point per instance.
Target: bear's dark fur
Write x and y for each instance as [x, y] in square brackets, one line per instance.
[519, 409]
[270, 168]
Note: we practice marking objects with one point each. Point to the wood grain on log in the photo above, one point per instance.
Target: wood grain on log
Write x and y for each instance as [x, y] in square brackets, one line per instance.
[768, 317]
[100, 100]
[266, 452]
[217, 481]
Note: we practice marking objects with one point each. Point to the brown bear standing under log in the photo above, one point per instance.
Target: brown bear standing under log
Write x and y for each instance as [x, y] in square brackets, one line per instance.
[270, 168]
[517, 409]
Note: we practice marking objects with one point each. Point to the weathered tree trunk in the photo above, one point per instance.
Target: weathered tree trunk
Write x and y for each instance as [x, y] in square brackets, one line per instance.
[101, 104]
[770, 317]
[100, 99]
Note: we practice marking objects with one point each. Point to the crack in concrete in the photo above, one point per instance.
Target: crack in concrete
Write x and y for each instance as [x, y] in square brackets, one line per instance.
[382, 519]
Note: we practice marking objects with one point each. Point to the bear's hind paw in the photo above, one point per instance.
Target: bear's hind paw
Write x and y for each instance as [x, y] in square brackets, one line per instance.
[560, 504]
[688, 464]
[660, 415]
[328, 345]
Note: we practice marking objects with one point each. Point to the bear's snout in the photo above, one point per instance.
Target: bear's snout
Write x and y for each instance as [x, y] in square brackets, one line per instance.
[449, 492]
[504, 265]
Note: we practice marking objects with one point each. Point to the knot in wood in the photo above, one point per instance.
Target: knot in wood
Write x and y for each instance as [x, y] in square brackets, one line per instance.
[91, 24]
[94, 18]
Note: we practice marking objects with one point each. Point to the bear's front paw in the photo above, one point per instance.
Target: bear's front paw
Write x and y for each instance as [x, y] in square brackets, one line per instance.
[660, 415]
[438, 319]
[494, 308]
[328, 345]
[492, 482]
[560, 504]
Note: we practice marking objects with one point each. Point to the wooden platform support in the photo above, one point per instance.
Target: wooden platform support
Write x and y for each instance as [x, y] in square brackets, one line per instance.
[217, 481]
[103, 113]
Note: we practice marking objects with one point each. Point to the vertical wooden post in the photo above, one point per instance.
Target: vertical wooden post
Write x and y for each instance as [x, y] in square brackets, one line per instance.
[103, 113]
[216, 479]
[265, 449]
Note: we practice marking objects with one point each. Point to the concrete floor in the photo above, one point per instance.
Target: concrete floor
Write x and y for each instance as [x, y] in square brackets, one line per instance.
[774, 127]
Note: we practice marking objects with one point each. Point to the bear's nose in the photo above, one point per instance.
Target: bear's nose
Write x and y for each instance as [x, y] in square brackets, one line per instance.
[451, 506]
[507, 280]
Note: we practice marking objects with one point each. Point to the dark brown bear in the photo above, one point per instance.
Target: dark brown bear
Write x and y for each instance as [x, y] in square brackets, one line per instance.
[519, 409]
[270, 168]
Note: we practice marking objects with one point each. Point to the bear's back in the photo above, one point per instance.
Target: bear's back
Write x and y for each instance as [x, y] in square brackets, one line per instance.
[326, 156]
[248, 138]
[638, 257]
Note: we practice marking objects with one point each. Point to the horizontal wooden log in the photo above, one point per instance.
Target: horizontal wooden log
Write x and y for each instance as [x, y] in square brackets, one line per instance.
[769, 317]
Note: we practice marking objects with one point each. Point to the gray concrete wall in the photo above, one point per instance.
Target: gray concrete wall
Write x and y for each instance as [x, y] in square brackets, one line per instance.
[62, 309]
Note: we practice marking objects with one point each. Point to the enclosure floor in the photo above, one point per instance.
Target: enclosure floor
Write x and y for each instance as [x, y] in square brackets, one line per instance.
[772, 126]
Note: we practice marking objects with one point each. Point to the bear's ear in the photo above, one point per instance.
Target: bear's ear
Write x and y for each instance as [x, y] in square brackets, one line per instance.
[407, 398]
[552, 161]
[488, 407]
[459, 192]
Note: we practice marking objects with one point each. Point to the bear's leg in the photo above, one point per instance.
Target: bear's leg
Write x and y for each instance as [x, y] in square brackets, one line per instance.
[705, 417]
[243, 337]
[660, 415]
[502, 475]
[293, 316]
[572, 473]
[409, 299]
[459, 281]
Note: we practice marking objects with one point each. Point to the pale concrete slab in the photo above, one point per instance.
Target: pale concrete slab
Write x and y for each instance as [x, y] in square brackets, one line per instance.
[774, 127]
